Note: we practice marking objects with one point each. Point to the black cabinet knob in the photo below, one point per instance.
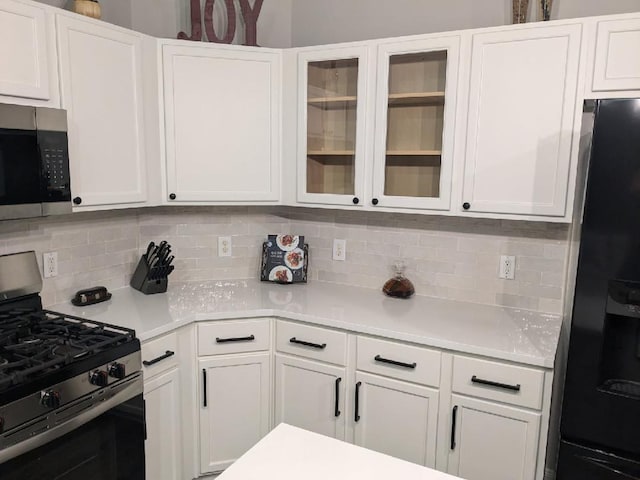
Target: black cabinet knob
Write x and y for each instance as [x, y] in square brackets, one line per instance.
[466, 205]
[77, 200]
[356, 200]
[374, 201]
[172, 196]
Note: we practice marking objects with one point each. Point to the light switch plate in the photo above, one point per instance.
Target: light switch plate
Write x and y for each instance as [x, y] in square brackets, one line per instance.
[224, 246]
[340, 250]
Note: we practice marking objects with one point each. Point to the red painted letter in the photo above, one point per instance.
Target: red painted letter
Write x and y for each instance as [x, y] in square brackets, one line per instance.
[196, 23]
[231, 22]
[250, 16]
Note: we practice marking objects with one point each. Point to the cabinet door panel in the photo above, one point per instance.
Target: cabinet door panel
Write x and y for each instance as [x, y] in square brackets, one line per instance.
[164, 430]
[519, 129]
[237, 412]
[306, 394]
[331, 128]
[617, 61]
[493, 442]
[397, 418]
[104, 104]
[415, 120]
[222, 124]
[23, 50]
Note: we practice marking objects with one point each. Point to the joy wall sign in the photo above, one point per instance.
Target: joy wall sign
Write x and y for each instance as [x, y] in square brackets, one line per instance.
[249, 16]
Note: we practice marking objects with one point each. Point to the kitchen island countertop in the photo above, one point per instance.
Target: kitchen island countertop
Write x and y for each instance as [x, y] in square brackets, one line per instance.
[290, 453]
[498, 332]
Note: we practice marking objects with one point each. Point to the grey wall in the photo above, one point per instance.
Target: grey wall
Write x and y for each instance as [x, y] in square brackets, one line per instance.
[317, 22]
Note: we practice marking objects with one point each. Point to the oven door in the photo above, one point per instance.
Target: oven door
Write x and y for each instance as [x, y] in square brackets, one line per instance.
[101, 443]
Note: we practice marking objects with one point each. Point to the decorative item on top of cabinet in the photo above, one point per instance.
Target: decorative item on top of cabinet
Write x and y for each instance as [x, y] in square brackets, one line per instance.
[249, 16]
[545, 10]
[88, 8]
[520, 9]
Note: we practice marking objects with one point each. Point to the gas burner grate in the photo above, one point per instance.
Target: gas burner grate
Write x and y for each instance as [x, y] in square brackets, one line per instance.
[33, 342]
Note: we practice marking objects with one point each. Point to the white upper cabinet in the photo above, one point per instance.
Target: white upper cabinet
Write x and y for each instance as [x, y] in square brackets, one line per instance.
[332, 86]
[522, 102]
[617, 55]
[222, 123]
[24, 63]
[102, 91]
[415, 119]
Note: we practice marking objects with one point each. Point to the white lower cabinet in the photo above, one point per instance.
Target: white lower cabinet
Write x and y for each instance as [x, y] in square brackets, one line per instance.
[310, 395]
[397, 418]
[235, 406]
[164, 429]
[490, 441]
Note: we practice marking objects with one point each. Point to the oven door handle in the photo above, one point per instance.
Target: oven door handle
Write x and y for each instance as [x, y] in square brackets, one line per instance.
[132, 387]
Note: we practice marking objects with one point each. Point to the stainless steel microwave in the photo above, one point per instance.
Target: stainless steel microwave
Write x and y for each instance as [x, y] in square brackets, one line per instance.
[34, 162]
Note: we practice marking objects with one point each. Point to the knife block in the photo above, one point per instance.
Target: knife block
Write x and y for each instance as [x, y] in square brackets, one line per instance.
[141, 281]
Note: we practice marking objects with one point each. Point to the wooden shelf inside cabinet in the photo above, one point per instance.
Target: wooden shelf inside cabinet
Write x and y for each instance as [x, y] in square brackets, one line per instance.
[416, 98]
[412, 153]
[319, 153]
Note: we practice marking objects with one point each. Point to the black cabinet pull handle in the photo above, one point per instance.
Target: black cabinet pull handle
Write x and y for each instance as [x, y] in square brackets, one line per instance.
[336, 409]
[357, 409]
[374, 201]
[466, 205]
[319, 346]
[380, 359]
[453, 427]
[356, 200]
[77, 201]
[172, 196]
[506, 386]
[236, 339]
[204, 387]
[167, 354]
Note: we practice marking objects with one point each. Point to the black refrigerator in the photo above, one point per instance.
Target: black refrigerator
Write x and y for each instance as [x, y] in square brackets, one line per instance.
[600, 424]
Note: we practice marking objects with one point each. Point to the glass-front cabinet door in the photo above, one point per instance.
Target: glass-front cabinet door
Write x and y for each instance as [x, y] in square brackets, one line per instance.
[331, 144]
[415, 111]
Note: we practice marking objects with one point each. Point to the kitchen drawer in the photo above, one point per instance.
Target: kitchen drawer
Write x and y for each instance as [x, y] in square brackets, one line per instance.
[237, 336]
[397, 360]
[160, 354]
[311, 342]
[498, 381]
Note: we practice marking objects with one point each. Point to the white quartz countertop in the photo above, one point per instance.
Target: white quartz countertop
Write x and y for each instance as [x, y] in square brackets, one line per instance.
[290, 453]
[499, 332]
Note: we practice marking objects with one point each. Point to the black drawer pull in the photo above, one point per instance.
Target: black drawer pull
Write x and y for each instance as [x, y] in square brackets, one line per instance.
[204, 387]
[454, 413]
[319, 346]
[167, 354]
[506, 386]
[336, 409]
[378, 358]
[250, 338]
[357, 409]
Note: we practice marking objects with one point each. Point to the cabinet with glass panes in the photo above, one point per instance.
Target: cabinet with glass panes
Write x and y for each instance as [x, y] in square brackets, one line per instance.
[332, 161]
[415, 109]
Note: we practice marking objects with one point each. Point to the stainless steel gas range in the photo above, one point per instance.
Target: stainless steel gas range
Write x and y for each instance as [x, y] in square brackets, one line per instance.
[71, 404]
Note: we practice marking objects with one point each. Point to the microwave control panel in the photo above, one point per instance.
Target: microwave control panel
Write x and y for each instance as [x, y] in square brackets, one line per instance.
[55, 165]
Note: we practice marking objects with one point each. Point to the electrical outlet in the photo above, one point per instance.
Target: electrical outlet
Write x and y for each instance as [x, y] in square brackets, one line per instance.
[340, 250]
[507, 267]
[50, 264]
[224, 246]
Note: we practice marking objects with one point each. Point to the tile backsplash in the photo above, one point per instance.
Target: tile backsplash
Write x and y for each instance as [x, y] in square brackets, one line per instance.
[446, 257]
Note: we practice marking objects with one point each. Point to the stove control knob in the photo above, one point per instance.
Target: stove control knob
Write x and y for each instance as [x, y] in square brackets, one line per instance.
[117, 370]
[50, 399]
[99, 378]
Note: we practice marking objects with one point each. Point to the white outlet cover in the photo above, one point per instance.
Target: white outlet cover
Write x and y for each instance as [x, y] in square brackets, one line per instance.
[340, 250]
[507, 267]
[224, 247]
[50, 264]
